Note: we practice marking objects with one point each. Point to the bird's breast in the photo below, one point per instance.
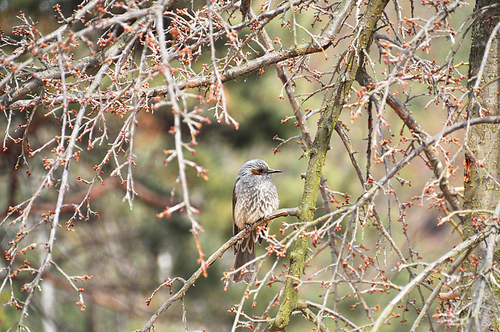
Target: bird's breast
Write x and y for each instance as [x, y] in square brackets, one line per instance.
[254, 200]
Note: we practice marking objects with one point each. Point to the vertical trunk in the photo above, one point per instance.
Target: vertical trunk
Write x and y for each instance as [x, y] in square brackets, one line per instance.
[482, 158]
[317, 154]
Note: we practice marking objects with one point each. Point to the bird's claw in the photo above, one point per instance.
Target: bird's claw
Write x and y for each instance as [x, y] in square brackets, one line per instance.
[249, 226]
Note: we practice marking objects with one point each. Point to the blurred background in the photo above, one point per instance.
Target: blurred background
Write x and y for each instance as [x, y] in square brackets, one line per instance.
[130, 251]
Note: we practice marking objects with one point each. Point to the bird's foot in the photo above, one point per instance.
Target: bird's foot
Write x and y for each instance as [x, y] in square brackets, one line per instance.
[248, 226]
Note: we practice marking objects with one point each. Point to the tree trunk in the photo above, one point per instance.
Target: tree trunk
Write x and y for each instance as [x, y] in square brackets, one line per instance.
[317, 155]
[482, 169]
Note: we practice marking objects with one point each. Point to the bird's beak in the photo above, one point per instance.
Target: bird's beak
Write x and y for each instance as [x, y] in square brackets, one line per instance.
[274, 171]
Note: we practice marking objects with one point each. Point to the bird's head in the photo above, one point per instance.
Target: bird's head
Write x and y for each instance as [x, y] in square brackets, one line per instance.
[256, 167]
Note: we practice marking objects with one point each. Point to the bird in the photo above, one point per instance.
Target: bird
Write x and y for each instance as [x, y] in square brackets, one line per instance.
[254, 196]
[245, 8]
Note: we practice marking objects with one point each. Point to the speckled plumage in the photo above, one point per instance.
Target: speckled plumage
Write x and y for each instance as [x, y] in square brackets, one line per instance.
[254, 196]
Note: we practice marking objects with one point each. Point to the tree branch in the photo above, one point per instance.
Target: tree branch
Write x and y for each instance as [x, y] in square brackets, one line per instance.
[216, 255]
[404, 114]
[317, 154]
[471, 242]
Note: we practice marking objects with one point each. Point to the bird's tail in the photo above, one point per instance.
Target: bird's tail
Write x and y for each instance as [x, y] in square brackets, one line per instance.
[244, 254]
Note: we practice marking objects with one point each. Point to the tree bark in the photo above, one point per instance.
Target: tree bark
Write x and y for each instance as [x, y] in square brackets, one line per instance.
[482, 157]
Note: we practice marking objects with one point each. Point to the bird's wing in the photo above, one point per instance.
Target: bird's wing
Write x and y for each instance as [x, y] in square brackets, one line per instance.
[235, 228]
